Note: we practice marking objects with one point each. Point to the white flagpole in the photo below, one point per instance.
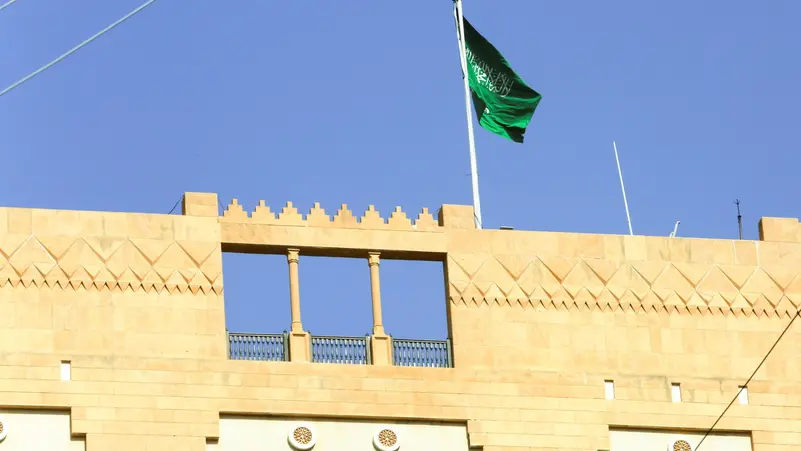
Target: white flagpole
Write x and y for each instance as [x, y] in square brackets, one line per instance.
[623, 188]
[470, 139]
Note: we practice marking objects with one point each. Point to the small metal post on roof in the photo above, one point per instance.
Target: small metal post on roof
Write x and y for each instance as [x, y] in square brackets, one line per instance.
[739, 218]
[675, 229]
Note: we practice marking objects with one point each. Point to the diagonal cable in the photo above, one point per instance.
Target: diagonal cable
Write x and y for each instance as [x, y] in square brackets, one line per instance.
[797, 314]
[180, 199]
[6, 4]
[74, 49]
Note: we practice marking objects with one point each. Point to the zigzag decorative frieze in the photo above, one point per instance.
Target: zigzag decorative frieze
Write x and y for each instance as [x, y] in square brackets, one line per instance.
[91, 263]
[317, 216]
[642, 286]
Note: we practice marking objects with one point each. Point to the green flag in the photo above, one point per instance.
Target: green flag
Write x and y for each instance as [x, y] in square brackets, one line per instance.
[504, 103]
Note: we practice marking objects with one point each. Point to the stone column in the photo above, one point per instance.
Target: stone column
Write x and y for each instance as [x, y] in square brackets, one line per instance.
[299, 340]
[375, 292]
[380, 342]
[293, 257]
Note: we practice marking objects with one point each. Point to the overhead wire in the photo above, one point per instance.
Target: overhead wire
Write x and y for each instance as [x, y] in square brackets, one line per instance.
[150, 2]
[74, 49]
[220, 209]
[744, 386]
[6, 4]
[180, 199]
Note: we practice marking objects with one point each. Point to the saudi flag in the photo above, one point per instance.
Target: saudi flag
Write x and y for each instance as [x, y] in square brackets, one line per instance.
[504, 103]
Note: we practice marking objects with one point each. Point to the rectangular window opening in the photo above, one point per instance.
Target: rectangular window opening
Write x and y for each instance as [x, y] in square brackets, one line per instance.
[336, 307]
[66, 370]
[609, 390]
[675, 392]
[256, 306]
[742, 396]
[416, 312]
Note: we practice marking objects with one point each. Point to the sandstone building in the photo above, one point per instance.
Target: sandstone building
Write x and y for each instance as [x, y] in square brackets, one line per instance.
[113, 337]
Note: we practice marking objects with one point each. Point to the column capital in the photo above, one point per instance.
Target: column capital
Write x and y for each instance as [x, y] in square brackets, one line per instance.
[292, 255]
[373, 258]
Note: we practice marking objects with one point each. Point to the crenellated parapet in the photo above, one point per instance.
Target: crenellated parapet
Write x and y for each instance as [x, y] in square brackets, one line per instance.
[550, 271]
[318, 217]
[118, 252]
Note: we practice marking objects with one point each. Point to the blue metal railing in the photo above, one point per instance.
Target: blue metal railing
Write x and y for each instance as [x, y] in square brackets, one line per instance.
[348, 350]
[353, 350]
[424, 353]
[267, 347]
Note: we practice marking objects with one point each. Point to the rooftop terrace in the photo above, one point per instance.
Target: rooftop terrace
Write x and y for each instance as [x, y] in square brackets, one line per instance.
[539, 270]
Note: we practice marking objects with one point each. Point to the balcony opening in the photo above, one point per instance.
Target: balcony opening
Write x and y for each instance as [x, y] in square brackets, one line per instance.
[415, 312]
[256, 306]
[336, 308]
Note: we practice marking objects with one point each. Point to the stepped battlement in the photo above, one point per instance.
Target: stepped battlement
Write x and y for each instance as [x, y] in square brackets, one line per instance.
[317, 217]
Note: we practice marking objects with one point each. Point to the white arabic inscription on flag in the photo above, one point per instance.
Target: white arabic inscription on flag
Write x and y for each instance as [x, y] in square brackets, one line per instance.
[494, 80]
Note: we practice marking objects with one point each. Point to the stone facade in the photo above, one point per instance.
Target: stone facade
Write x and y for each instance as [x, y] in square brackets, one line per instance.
[542, 324]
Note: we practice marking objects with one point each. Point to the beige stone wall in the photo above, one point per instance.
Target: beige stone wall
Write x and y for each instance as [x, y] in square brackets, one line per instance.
[538, 320]
[91, 283]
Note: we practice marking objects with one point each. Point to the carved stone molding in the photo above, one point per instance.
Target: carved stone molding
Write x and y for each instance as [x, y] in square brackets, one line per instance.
[641, 286]
[99, 263]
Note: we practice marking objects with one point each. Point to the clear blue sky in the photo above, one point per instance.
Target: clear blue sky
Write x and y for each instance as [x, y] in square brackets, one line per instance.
[361, 102]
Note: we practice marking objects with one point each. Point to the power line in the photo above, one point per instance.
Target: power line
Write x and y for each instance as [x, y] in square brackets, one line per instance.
[797, 314]
[7, 4]
[176, 205]
[74, 49]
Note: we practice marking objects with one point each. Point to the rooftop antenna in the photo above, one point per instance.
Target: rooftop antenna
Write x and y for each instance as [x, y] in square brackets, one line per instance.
[739, 218]
[623, 188]
[675, 229]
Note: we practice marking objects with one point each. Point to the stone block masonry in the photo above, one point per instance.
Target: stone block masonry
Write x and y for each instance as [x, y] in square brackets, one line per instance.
[539, 323]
